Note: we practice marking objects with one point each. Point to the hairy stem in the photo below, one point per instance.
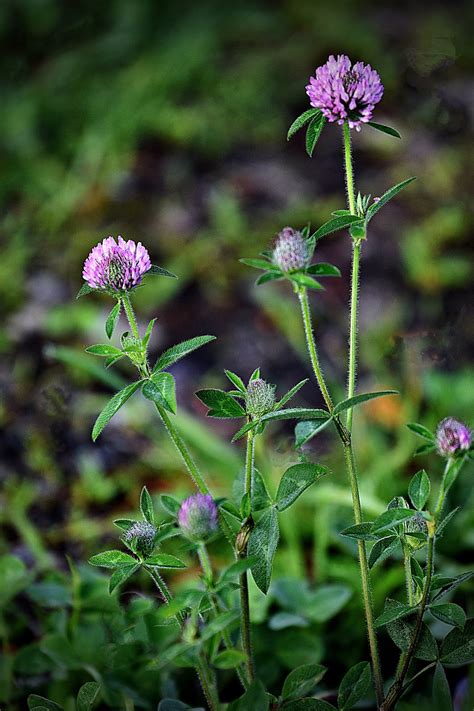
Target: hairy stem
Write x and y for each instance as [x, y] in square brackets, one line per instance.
[127, 305]
[348, 168]
[352, 367]
[203, 671]
[408, 575]
[245, 631]
[352, 473]
[208, 575]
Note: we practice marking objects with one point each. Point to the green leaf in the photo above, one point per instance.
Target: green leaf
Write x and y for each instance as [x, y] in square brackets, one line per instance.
[84, 290]
[295, 481]
[290, 394]
[326, 602]
[124, 523]
[220, 403]
[260, 264]
[235, 570]
[122, 574]
[323, 269]
[401, 632]
[441, 694]
[313, 132]
[450, 584]
[358, 399]
[170, 504]
[146, 506]
[444, 522]
[392, 613]
[175, 353]
[161, 389]
[307, 429]
[235, 380]
[87, 696]
[147, 336]
[104, 350]
[302, 680]
[458, 646]
[262, 545]
[354, 685]
[302, 279]
[229, 659]
[384, 129]
[391, 518]
[335, 224]
[39, 702]
[421, 431]
[388, 195]
[164, 560]
[360, 531]
[382, 549]
[219, 623]
[113, 406]
[268, 276]
[301, 121]
[255, 699]
[419, 489]
[112, 559]
[112, 319]
[296, 413]
[159, 271]
[450, 613]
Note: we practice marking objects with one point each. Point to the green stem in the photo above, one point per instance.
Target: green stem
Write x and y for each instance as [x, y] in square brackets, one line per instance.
[127, 305]
[245, 630]
[352, 369]
[311, 344]
[349, 171]
[408, 575]
[202, 669]
[208, 575]
[352, 472]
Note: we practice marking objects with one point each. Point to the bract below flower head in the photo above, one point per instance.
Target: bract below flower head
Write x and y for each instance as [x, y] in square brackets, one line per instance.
[116, 265]
[345, 92]
[290, 252]
[452, 437]
[197, 517]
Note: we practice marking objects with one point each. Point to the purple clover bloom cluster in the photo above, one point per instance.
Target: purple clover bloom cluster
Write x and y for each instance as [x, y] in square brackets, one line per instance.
[452, 437]
[345, 92]
[290, 251]
[116, 266]
[197, 517]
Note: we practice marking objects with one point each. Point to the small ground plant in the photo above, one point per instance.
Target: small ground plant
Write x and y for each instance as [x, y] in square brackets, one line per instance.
[210, 620]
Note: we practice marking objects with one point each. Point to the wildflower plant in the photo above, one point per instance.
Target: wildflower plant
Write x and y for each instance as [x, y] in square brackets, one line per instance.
[211, 619]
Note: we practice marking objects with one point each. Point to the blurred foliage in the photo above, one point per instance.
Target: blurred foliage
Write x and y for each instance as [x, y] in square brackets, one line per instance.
[166, 123]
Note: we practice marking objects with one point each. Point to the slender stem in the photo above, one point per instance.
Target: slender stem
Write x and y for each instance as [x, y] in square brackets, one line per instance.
[127, 305]
[418, 674]
[364, 574]
[352, 369]
[408, 575]
[348, 168]
[310, 342]
[352, 472]
[202, 669]
[208, 574]
[245, 630]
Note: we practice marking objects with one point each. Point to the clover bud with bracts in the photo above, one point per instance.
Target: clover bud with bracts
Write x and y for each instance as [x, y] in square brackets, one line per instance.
[197, 517]
[141, 538]
[260, 397]
[452, 437]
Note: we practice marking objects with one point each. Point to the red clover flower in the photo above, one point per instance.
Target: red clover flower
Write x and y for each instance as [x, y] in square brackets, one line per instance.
[116, 266]
[345, 92]
[197, 517]
[452, 437]
[290, 252]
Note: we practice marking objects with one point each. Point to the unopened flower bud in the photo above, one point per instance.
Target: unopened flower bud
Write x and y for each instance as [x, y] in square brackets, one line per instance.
[241, 542]
[197, 517]
[290, 252]
[452, 437]
[141, 537]
[260, 397]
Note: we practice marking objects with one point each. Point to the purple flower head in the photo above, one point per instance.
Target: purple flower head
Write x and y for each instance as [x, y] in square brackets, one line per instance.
[197, 517]
[290, 251]
[345, 92]
[452, 437]
[141, 537]
[116, 266]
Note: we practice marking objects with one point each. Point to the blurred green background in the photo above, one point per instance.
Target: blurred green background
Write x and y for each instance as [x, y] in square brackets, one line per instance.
[166, 123]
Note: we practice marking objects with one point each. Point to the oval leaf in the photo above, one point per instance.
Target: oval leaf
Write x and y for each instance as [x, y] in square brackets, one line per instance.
[450, 613]
[358, 399]
[146, 506]
[262, 545]
[419, 489]
[112, 559]
[172, 355]
[354, 685]
[295, 480]
[161, 390]
[458, 646]
[113, 406]
[301, 121]
[302, 680]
